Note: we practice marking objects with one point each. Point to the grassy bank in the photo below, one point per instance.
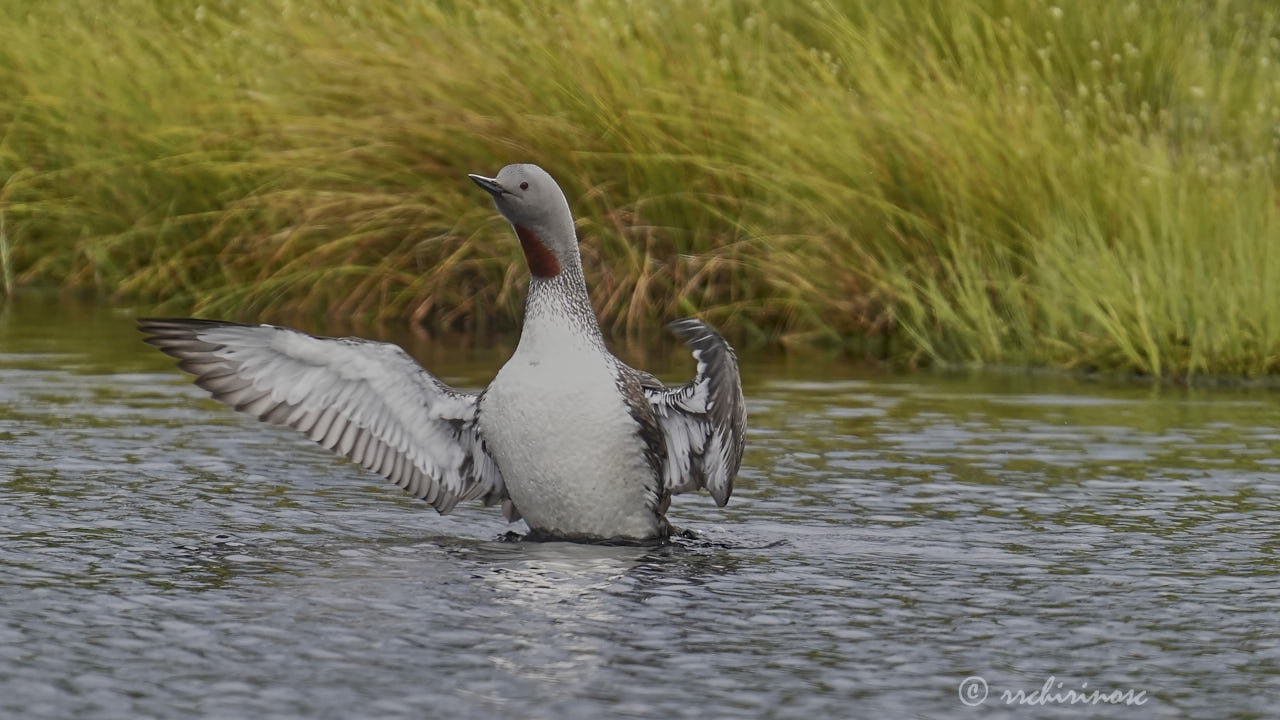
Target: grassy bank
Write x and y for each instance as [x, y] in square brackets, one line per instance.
[1001, 181]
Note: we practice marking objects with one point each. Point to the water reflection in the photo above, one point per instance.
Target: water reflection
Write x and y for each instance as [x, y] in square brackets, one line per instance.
[561, 591]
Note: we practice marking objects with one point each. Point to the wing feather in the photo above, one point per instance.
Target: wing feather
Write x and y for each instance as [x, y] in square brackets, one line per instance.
[366, 400]
[704, 421]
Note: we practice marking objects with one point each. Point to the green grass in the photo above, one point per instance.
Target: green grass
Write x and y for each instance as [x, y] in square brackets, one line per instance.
[996, 182]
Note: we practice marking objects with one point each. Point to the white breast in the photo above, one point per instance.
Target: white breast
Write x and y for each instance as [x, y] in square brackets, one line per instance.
[568, 449]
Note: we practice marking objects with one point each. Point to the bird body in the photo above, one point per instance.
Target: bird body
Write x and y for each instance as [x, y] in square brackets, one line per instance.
[566, 436]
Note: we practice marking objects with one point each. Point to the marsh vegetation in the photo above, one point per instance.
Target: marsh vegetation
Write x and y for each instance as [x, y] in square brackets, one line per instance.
[981, 182]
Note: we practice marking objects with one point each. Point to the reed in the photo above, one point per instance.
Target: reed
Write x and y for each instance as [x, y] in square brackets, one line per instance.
[977, 182]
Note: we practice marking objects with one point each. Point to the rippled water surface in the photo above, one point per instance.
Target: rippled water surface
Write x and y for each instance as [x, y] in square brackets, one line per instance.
[891, 536]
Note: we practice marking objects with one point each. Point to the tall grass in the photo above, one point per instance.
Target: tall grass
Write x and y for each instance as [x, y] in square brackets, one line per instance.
[975, 182]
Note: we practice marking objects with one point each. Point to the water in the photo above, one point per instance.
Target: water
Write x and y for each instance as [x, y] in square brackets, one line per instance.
[161, 556]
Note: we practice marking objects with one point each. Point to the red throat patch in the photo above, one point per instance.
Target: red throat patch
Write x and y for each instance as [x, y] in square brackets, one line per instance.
[542, 262]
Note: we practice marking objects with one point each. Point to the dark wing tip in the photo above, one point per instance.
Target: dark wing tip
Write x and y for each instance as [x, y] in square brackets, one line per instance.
[687, 328]
[166, 325]
[701, 336]
[179, 337]
[722, 495]
[704, 339]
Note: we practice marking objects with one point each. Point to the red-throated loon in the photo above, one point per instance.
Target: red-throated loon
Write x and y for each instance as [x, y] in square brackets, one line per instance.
[567, 436]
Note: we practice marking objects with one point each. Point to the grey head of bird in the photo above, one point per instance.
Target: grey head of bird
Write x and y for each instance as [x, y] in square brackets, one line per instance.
[529, 198]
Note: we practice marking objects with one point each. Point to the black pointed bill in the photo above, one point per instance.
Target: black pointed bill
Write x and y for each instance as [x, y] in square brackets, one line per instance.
[489, 184]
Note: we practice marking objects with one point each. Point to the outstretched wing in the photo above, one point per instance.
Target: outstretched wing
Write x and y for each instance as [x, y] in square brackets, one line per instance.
[368, 401]
[703, 420]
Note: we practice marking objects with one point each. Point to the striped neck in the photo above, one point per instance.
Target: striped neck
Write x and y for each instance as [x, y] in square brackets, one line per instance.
[561, 304]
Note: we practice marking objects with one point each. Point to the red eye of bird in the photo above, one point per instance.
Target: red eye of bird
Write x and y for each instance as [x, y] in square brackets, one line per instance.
[524, 186]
